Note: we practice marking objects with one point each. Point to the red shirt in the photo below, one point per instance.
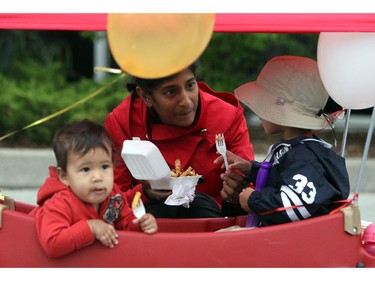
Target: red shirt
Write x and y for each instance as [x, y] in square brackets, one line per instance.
[61, 218]
[220, 112]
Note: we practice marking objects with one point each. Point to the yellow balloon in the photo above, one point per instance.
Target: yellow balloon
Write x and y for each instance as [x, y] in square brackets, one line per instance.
[158, 45]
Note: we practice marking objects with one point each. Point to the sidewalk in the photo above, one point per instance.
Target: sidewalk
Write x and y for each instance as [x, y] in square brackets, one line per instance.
[28, 168]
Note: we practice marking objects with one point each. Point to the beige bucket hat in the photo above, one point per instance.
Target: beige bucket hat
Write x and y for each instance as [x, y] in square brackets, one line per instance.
[287, 92]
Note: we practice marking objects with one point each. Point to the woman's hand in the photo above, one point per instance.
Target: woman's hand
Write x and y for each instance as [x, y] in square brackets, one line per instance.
[234, 180]
[233, 183]
[154, 195]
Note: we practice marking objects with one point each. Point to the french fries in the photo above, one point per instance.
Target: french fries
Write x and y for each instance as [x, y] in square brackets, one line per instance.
[179, 172]
[136, 198]
[219, 138]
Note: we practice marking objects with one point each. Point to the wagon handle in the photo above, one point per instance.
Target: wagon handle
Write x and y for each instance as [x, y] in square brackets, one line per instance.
[6, 202]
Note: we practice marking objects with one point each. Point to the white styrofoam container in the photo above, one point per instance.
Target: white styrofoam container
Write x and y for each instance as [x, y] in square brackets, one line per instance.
[144, 160]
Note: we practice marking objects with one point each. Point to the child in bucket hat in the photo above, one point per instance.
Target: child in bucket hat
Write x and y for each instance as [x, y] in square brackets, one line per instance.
[287, 92]
[307, 178]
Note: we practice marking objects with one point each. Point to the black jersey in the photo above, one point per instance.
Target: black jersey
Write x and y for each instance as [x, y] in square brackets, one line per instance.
[306, 180]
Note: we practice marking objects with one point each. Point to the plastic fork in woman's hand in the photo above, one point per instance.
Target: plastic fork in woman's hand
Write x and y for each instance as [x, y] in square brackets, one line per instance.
[221, 148]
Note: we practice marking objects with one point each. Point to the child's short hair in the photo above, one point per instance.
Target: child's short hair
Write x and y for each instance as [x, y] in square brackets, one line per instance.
[80, 137]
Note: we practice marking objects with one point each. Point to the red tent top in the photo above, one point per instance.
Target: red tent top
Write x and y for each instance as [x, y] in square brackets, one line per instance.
[256, 22]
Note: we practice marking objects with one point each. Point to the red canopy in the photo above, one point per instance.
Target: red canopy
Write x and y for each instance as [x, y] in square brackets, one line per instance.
[259, 22]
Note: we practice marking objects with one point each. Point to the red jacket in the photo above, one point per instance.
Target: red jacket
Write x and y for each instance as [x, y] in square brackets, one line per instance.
[61, 218]
[220, 112]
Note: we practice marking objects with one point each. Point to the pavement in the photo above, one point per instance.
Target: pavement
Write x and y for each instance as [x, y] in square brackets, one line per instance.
[22, 171]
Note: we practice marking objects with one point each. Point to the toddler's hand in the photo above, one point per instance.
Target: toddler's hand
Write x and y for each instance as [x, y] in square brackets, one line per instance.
[104, 232]
[244, 197]
[147, 223]
[234, 180]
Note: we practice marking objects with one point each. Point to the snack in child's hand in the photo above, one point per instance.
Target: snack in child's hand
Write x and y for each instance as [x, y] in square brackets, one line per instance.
[136, 198]
[179, 172]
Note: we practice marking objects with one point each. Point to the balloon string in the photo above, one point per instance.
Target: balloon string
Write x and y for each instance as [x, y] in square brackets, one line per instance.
[345, 134]
[53, 115]
[365, 151]
[107, 69]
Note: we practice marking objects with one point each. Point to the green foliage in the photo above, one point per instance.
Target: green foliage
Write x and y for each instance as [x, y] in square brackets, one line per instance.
[26, 101]
[232, 59]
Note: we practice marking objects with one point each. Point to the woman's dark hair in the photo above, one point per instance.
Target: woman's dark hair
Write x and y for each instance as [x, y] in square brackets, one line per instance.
[148, 85]
[80, 137]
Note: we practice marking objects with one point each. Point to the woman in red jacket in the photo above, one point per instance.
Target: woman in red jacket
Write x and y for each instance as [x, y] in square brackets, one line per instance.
[181, 117]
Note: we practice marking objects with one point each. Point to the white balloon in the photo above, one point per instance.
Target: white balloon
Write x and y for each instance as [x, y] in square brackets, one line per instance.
[346, 62]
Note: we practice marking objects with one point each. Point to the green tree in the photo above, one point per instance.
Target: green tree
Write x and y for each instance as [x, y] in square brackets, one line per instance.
[232, 59]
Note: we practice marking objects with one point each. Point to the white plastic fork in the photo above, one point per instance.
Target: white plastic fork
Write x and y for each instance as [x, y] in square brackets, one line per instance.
[222, 148]
[139, 209]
